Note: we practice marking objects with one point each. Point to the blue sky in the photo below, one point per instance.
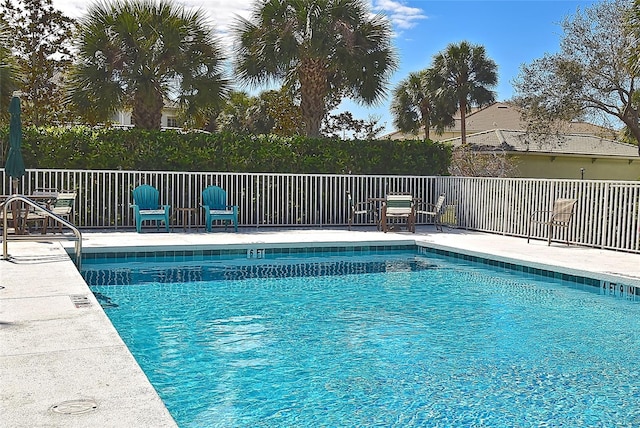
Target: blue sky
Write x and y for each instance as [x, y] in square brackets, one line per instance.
[513, 32]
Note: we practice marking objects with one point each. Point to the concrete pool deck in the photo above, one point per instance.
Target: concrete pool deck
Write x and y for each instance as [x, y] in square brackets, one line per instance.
[62, 363]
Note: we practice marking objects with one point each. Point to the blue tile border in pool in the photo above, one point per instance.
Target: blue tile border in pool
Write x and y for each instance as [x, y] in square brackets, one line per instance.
[606, 286]
[258, 252]
[265, 251]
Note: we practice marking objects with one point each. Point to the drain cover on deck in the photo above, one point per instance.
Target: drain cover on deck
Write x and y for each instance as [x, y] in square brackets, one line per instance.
[80, 300]
[75, 407]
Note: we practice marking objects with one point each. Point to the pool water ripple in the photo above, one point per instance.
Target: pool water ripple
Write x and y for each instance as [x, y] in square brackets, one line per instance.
[454, 346]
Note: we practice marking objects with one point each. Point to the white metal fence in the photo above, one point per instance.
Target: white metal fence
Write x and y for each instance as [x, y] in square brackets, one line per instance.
[606, 215]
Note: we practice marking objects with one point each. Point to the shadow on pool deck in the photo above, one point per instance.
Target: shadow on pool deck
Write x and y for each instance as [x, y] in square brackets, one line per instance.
[62, 363]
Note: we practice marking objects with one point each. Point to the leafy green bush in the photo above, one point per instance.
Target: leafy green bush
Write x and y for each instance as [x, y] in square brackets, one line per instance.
[135, 149]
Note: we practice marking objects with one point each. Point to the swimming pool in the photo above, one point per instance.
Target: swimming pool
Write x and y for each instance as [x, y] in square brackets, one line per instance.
[382, 339]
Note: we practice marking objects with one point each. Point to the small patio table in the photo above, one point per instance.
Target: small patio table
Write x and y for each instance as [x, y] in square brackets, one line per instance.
[19, 214]
[186, 216]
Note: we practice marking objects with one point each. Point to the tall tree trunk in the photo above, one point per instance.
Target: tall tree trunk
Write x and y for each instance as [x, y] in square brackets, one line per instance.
[425, 111]
[313, 89]
[463, 119]
[147, 110]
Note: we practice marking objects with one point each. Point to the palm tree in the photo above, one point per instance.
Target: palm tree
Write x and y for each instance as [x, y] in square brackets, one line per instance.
[138, 53]
[324, 49]
[417, 103]
[467, 75]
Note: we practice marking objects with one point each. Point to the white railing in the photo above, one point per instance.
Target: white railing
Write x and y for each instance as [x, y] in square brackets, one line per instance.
[606, 215]
[4, 209]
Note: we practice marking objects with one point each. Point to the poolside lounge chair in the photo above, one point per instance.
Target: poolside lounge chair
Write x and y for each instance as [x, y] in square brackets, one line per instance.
[398, 206]
[560, 216]
[432, 211]
[366, 209]
[147, 208]
[214, 203]
[61, 205]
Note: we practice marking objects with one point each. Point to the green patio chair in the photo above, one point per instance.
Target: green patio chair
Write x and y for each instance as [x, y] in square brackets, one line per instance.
[214, 203]
[147, 208]
[63, 206]
[398, 206]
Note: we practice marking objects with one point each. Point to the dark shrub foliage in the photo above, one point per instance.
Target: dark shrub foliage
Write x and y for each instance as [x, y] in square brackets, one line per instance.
[137, 149]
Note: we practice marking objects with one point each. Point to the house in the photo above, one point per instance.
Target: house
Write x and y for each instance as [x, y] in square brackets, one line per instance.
[583, 150]
[571, 156]
[500, 115]
[169, 117]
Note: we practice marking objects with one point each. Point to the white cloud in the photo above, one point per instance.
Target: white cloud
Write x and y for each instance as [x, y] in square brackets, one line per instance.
[221, 14]
[401, 16]
[71, 8]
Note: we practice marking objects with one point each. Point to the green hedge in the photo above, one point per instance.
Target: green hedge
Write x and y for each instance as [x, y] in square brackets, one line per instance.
[134, 149]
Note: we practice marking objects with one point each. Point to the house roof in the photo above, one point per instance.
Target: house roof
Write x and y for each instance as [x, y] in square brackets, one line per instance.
[505, 115]
[521, 141]
[497, 115]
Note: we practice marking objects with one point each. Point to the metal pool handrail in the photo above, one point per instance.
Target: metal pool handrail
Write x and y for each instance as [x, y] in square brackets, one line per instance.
[49, 214]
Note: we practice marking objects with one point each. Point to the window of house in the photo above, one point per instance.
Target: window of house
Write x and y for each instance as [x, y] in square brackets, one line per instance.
[172, 122]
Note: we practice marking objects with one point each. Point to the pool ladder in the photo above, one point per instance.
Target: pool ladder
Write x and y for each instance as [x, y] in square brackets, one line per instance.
[48, 214]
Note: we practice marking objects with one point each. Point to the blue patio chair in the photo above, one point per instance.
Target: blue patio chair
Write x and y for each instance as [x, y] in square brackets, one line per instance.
[146, 207]
[214, 203]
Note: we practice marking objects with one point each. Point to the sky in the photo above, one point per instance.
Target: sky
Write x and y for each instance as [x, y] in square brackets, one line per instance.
[513, 32]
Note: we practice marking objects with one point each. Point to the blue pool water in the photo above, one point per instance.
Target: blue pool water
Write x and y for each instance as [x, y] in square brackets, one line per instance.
[393, 340]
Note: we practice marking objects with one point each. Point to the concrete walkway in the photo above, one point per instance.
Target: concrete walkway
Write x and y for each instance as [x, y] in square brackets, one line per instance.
[62, 364]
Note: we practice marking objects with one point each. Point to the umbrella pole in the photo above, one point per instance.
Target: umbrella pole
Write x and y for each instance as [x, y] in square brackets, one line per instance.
[15, 210]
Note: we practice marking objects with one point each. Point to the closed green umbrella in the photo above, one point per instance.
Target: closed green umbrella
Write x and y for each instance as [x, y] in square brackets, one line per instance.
[14, 167]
